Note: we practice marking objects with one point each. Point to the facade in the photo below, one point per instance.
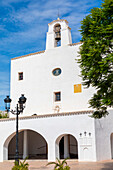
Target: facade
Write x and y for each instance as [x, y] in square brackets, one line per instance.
[56, 121]
[39, 83]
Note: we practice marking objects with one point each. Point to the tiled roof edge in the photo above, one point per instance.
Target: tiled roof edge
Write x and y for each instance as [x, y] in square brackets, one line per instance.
[28, 55]
[75, 44]
[49, 115]
[40, 52]
[58, 20]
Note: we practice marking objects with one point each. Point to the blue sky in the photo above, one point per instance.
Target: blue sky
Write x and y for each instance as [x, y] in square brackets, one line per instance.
[23, 27]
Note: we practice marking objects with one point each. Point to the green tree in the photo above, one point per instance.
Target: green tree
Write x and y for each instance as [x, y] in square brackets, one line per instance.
[96, 56]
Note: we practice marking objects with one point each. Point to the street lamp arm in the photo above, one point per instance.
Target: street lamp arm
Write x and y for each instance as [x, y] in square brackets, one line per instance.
[14, 112]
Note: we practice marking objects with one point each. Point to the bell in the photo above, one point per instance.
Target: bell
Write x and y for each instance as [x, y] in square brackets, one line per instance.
[57, 36]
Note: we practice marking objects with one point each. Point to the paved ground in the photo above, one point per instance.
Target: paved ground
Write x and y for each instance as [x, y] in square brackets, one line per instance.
[41, 165]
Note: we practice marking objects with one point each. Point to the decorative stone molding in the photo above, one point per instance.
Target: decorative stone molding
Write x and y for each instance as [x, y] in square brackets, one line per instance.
[85, 139]
[57, 109]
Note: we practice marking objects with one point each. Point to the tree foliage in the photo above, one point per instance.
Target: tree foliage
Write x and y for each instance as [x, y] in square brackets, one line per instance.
[96, 56]
[3, 115]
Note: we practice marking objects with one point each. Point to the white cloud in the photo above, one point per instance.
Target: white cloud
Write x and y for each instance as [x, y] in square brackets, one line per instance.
[2, 28]
[9, 2]
[4, 59]
[24, 27]
[36, 15]
[4, 83]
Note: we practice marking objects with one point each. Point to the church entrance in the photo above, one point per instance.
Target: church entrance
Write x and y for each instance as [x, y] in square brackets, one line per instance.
[61, 148]
[68, 147]
[31, 145]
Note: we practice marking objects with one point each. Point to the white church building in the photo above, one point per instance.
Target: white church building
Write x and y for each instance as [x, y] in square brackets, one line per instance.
[56, 121]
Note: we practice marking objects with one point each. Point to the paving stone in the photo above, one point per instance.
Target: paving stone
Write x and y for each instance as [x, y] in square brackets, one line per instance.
[75, 165]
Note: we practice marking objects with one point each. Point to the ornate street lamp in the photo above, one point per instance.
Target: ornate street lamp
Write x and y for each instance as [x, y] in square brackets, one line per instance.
[19, 109]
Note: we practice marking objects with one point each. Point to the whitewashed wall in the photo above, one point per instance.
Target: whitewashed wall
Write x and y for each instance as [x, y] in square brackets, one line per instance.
[39, 84]
[103, 131]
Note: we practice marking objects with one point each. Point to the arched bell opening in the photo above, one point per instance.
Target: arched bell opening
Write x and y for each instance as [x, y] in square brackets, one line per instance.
[31, 145]
[57, 30]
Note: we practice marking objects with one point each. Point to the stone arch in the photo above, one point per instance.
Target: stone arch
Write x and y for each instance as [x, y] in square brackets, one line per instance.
[66, 146]
[37, 151]
[5, 146]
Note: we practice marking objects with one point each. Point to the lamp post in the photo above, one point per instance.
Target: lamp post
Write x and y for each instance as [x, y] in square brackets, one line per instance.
[19, 109]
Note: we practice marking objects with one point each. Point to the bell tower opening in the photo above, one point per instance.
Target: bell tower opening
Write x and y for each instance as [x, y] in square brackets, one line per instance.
[59, 34]
[57, 30]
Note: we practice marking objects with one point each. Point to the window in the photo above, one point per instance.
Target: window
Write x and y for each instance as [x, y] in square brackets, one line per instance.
[56, 71]
[57, 96]
[20, 76]
[77, 88]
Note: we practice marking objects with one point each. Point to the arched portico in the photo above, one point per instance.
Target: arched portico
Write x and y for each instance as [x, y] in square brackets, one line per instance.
[31, 145]
[66, 147]
[52, 129]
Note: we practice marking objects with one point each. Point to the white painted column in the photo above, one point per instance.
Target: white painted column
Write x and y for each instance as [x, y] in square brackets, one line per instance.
[25, 145]
[57, 154]
[5, 154]
[51, 152]
[66, 147]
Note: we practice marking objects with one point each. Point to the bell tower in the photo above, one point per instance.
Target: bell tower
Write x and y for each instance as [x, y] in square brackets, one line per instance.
[59, 34]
